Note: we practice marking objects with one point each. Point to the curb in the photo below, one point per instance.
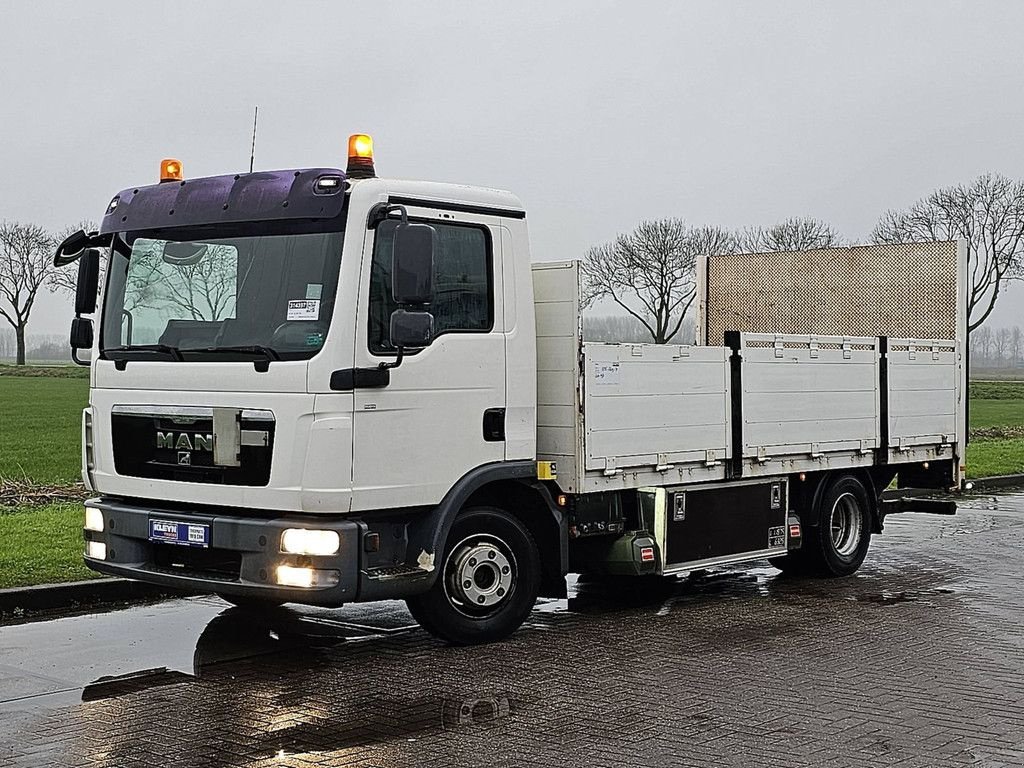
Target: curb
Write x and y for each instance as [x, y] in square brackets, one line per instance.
[71, 594]
[998, 481]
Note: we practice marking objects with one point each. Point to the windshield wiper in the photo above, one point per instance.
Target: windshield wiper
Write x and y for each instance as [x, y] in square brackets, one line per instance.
[251, 349]
[173, 352]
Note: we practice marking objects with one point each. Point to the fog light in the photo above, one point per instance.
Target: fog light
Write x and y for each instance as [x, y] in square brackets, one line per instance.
[93, 519]
[291, 576]
[97, 550]
[300, 541]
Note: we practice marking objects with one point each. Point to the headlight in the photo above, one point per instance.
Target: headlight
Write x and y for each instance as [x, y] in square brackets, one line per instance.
[97, 550]
[93, 519]
[290, 576]
[301, 541]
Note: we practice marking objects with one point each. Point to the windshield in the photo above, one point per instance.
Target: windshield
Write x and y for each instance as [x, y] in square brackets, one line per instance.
[207, 295]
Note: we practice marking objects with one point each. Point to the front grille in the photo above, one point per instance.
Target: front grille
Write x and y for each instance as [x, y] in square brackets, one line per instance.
[169, 445]
[217, 564]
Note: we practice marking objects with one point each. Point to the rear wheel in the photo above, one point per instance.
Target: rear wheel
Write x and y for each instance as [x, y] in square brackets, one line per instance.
[489, 580]
[838, 544]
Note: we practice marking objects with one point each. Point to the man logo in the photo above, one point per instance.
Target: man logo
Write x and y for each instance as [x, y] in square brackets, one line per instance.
[182, 441]
[185, 458]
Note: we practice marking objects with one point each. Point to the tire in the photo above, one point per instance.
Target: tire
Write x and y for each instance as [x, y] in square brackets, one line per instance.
[251, 603]
[838, 544]
[488, 583]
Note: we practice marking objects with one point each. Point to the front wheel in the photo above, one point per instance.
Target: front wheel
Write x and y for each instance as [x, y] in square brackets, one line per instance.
[489, 580]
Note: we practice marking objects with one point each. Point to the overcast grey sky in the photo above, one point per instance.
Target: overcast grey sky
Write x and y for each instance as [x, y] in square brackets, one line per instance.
[597, 114]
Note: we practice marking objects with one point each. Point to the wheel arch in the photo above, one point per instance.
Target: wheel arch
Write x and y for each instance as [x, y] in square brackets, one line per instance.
[531, 504]
[512, 487]
[811, 490]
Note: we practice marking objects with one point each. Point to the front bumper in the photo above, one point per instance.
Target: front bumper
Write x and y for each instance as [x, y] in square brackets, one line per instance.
[241, 560]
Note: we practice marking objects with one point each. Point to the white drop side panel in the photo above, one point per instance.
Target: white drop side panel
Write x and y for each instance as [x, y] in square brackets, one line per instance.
[655, 406]
[556, 306]
[922, 393]
[808, 395]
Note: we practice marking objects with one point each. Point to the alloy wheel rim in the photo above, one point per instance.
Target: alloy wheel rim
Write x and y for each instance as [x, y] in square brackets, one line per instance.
[845, 524]
[480, 574]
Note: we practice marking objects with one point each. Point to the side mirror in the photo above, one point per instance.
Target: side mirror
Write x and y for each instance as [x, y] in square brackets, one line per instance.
[412, 265]
[81, 333]
[71, 248]
[88, 282]
[411, 330]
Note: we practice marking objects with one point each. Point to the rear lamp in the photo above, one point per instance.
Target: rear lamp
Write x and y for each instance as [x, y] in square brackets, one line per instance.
[97, 550]
[301, 541]
[305, 578]
[93, 520]
[171, 170]
[360, 156]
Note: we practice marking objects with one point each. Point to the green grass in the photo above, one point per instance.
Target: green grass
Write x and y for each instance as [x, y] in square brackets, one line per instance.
[986, 458]
[41, 545]
[45, 371]
[997, 413]
[40, 428]
[996, 406]
[996, 390]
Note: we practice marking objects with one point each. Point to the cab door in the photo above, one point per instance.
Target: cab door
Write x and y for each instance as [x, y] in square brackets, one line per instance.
[416, 436]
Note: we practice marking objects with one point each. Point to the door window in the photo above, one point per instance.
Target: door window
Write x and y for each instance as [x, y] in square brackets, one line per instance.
[463, 283]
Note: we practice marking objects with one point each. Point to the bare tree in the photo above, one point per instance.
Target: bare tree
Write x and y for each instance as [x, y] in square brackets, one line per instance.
[982, 343]
[26, 264]
[989, 214]
[7, 343]
[797, 233]
[649, 272]
[1016, 345]
[1001, 344]
[202, 291]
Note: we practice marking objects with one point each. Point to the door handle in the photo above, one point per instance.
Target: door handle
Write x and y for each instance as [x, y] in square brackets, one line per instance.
[348, 379]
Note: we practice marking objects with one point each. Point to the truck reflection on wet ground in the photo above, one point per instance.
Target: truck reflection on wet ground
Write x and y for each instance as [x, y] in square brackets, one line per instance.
[917, 660]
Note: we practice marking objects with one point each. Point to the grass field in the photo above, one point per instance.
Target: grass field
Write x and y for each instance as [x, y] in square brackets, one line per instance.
[41, 545]
[40, 427]
[40, 415]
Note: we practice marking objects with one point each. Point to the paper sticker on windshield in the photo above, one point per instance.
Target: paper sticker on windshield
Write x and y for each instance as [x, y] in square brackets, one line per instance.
[303, 309]
[313, 290]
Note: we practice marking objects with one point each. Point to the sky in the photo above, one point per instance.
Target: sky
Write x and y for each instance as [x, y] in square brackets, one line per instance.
[597, 114]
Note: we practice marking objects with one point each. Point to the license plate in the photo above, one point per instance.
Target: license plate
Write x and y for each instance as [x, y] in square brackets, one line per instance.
[173, 532]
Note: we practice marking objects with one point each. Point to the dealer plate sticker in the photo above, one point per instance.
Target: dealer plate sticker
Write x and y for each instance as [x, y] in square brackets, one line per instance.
[303, 309]
[186, 534]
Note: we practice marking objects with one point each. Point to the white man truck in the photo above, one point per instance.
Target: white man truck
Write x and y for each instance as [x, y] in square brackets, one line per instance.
[319, 386]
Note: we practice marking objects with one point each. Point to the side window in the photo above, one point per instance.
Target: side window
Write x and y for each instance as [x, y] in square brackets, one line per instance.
[462, 283]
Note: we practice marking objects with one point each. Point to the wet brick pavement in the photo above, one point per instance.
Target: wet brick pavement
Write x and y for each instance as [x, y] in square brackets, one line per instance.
[916, 661]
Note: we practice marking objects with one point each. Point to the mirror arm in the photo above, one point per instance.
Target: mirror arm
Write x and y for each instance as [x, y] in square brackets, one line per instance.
[74, 356]
[397, 362]
[381, 211]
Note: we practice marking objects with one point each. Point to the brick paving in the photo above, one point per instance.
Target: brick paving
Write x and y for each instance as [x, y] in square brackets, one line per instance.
[916, 661]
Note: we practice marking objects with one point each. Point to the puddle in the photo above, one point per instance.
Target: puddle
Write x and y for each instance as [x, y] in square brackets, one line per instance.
[892, 598]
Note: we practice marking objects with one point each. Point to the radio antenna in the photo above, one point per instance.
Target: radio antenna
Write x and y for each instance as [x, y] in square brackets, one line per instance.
[252, 154]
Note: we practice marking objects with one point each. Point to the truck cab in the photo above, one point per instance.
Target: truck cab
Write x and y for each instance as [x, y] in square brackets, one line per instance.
[254, 426]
